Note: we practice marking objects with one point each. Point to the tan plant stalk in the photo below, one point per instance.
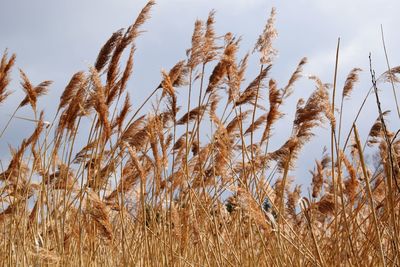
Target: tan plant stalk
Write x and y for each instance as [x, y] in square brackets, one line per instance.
[369, 194]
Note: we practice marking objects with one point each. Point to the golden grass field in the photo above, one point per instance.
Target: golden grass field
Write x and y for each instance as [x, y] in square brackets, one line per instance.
[193, 181]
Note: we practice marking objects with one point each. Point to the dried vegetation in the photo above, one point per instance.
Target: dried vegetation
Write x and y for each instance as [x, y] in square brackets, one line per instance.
[193, 182]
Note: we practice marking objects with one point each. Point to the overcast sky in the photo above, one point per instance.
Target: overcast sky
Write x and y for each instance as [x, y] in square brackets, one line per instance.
[53, 39]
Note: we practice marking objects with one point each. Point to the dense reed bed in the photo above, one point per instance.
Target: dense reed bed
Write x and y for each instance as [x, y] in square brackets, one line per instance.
[193, 181]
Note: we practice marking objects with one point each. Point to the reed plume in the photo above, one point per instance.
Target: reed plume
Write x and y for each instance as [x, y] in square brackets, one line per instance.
[5, 69]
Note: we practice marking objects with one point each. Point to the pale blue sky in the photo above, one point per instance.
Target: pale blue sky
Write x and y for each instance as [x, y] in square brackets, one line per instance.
[53, 39]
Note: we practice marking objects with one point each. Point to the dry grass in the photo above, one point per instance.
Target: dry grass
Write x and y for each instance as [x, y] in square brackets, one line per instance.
[147, 188]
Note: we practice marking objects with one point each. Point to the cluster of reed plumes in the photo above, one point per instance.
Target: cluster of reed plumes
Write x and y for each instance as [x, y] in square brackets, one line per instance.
[192, 182]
